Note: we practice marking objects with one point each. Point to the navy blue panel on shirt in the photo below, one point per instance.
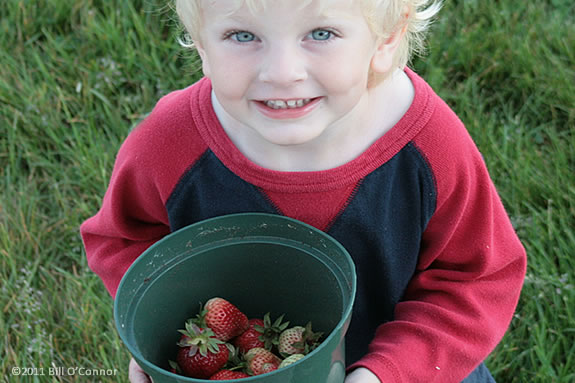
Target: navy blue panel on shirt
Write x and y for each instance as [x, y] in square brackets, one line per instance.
[381, 227]
[209, 189]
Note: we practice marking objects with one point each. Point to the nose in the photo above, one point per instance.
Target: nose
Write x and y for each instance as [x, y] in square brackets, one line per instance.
[283, 65]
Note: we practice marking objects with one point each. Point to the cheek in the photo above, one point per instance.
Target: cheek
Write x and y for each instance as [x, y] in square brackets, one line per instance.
[229, 91]
[348, 80]
[231, 80]
[345, 71]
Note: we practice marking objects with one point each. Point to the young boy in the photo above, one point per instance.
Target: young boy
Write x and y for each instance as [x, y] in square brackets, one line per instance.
[307, 110]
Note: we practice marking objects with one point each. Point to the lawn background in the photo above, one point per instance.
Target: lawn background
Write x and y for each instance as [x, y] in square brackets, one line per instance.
[77, 75]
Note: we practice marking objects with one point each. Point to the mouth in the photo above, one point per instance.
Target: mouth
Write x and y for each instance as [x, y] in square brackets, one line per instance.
[278, 109]
[287, 104]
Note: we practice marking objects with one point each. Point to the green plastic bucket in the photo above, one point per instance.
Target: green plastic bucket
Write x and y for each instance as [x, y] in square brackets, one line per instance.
[261, 263]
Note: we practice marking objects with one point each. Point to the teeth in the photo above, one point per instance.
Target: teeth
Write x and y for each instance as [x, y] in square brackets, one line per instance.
[290, 104]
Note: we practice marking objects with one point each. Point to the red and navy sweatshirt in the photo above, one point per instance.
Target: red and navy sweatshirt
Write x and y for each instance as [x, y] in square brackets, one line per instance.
[439, 265]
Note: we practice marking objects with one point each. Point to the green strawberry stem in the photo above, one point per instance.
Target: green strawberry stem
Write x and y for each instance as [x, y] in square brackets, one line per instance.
[198, 339]
[271, 331]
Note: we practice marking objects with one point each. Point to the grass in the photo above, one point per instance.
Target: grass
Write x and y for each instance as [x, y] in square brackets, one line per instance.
[77, 75]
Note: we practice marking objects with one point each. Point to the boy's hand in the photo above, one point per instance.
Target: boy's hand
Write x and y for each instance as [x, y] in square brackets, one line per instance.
[136, 374]
[361, 375]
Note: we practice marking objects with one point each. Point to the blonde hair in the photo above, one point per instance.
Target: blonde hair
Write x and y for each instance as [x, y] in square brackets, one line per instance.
[384, 17]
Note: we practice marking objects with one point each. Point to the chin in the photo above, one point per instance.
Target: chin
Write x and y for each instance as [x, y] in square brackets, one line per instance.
[289, 135]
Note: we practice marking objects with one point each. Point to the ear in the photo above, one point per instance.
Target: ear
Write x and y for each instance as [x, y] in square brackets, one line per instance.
[382, 59]
[205, 62]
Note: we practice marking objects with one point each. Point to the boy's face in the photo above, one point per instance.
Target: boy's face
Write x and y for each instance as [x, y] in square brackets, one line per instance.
[286, 72]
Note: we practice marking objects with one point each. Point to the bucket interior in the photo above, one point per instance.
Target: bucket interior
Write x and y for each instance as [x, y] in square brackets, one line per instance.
[257, 277]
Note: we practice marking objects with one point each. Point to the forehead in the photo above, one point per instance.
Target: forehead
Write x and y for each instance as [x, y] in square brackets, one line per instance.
[226, 8]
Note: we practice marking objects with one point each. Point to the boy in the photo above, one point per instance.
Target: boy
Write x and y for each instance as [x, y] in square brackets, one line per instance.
[307, 110]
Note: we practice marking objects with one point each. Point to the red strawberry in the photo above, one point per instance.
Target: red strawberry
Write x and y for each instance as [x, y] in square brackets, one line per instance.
[224, 319]
[261, 360]
[251, 337]
[261, 333]
[228, 375]
[201, 354]
[298, 340]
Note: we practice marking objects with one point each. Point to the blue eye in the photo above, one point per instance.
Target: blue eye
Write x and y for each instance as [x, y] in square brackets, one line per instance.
[321, 34]
[243, 37]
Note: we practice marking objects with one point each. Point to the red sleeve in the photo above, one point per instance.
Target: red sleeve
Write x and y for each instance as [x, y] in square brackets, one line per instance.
[148, 165]
[462, 297]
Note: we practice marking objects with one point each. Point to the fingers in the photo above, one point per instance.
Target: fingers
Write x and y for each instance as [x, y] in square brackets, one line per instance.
[362, 375]
[136, 374]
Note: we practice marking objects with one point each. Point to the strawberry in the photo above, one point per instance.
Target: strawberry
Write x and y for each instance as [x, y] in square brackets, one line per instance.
[291, 360]
[269, 367]
[298, 340]
[261, 333]
[291, 338]
[271, 331]
[224, 319]
[201, 354]
[251, 337]
[228, 375]
[261, 361]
